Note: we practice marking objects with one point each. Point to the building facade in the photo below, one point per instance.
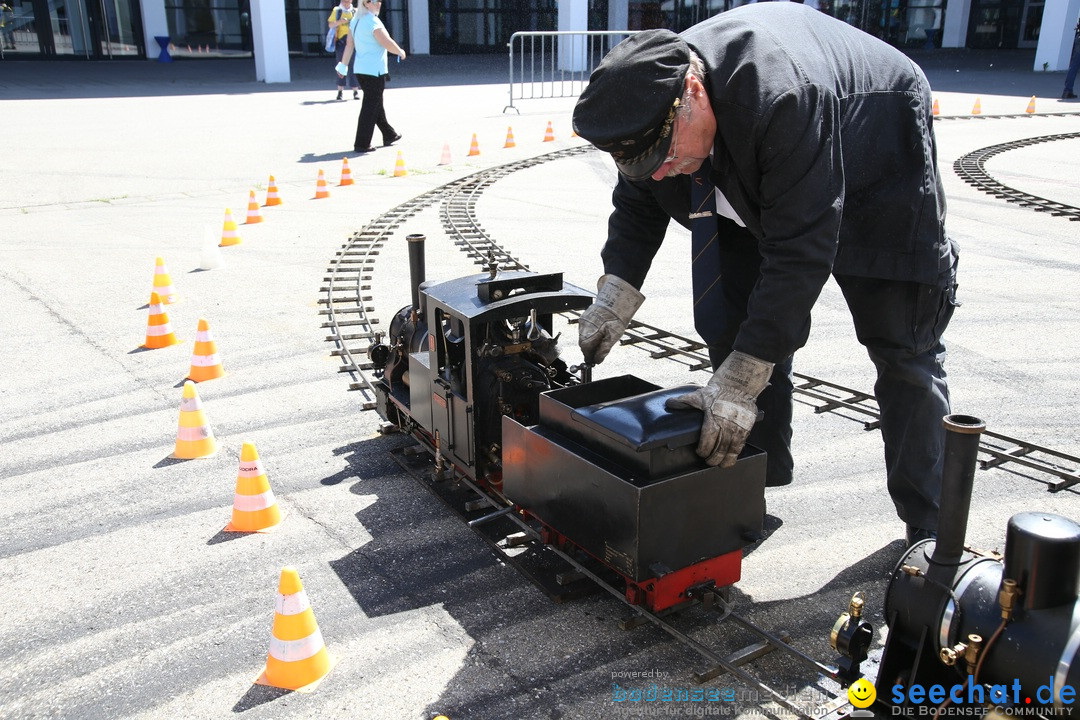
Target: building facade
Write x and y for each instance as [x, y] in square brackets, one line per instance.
[111, 29]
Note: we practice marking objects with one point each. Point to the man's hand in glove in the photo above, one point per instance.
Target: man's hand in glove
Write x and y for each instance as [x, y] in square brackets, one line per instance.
[729, 407]
[604, 322]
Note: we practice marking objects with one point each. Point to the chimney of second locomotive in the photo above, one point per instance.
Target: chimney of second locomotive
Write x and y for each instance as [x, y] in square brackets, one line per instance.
[957, 477]
[416, 267]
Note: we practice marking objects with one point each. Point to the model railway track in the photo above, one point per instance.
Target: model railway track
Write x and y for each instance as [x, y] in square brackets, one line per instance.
[972, 169]
[507, 532]
[1056, 469]
[351, 322]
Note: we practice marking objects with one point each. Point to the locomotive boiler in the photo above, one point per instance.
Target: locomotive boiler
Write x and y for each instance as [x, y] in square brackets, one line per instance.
[471, 369]
[985, 630]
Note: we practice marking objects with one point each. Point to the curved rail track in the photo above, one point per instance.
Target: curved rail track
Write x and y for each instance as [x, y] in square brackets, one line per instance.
[971, 168]
[352, 325]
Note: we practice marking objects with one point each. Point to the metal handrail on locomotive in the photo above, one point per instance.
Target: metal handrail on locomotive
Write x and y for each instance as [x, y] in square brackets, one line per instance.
[471, 369]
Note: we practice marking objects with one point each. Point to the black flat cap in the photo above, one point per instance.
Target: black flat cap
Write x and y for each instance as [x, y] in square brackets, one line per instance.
[629, 105]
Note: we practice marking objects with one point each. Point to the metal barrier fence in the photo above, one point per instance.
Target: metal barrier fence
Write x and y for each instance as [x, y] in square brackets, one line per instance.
[556, 64]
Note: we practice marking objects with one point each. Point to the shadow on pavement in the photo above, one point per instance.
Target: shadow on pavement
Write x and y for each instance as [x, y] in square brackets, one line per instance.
[520, 638]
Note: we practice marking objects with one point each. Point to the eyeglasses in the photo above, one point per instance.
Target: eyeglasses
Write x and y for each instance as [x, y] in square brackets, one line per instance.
[673, 149]
[682, 114]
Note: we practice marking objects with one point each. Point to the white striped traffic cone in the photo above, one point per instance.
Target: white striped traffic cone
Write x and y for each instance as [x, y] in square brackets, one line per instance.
[253, 215]
[272, 197]
[205, 362]
[194, 438]
[163, 283]
[298, 659]
[346, 173]
[255, 508]
[229, 236]
[159, 332]
[321, 191]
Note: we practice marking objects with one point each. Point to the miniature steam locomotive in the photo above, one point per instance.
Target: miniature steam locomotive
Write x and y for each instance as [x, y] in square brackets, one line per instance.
[471, 369]
[987, 630]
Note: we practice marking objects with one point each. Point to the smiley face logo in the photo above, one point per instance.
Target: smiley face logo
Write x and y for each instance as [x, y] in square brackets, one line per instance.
[862, 693]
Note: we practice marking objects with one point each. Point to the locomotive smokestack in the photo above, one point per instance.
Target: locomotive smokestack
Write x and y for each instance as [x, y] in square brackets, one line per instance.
[957, 477]
[416, 266]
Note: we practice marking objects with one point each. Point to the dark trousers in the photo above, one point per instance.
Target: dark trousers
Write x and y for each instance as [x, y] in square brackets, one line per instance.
[900, 324]
[350, 78]
[1074, 66]
[740, 264]
[372, 112]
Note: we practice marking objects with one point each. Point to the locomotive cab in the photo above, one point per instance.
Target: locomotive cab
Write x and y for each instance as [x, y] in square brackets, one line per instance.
[475, 349]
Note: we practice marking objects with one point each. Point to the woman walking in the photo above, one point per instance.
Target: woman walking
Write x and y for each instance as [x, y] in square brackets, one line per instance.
[370, 41]
[339, 19]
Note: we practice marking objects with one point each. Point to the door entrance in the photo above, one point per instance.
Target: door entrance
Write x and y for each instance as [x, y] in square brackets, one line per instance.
[995, 24]
[72, 29]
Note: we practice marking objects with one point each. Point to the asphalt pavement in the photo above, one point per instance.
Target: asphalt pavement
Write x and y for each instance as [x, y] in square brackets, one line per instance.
[127, 598]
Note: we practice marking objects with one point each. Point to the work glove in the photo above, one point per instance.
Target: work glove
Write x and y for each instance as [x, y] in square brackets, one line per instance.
[729, 407]
[605, 321]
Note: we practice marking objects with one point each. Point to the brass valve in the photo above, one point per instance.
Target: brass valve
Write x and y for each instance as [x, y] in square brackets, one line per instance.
[967, 651]
[1008, 598]
[971, 655]
[949, 656]
[911, 570]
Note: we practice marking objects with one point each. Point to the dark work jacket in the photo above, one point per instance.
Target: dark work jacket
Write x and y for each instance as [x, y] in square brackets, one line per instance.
[825, 149]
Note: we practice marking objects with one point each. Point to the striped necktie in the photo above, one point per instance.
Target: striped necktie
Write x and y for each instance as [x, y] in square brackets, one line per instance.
[705, 249]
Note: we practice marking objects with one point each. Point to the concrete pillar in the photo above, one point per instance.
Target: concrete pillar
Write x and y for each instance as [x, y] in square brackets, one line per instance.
[957, 15]
[618, 19]
[573, 16]
[1056, 34]
[271, 41]
[154, 23]
[419, 40]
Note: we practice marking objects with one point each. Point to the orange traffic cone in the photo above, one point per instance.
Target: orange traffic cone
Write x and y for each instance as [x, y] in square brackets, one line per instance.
[346, 174]
[163, 282]
[159, 332]
[399, 166]
[254, 507]
[445, 159]
[298, 659]
[474, 149]
[320, 187]
[194, 438]
[937, 108]
[977, 110]
[229, 236]
[1031, 106]
[272, 194]
[253, 215]
[549, 134]
[205, 363]
[510, 138]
